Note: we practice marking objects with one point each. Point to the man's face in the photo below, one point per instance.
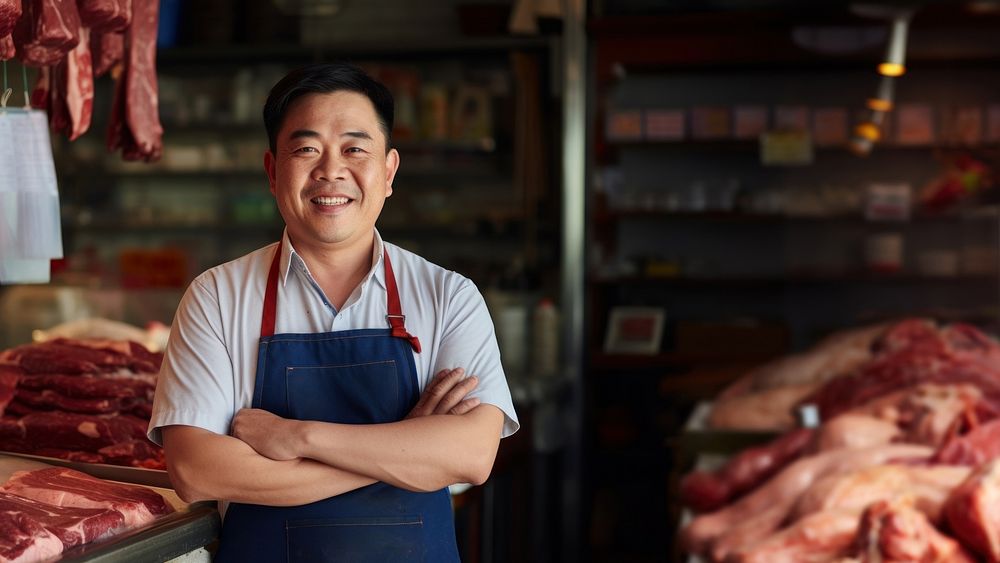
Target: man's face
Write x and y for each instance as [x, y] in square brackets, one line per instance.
[330, 173]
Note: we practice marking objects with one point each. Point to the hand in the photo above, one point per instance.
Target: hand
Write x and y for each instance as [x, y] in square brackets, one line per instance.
[269, 434]
[445, 394]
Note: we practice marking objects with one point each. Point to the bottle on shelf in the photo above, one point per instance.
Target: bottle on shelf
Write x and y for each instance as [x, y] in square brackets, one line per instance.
[545, 339]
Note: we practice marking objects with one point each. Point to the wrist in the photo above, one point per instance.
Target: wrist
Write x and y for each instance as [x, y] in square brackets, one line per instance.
[303, 438]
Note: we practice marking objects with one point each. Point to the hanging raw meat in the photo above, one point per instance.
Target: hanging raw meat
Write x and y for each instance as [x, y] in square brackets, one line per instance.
[105, 15]
[79, 80]
[135, 115]
[10, 11]
[107, 48]
[7, 49]
[46, 31]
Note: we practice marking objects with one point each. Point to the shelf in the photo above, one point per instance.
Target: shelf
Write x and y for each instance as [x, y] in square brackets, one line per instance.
[784, 282]
[455, 172]
[120, 227]
[90, 176]
[610, 216]
[664, 360]
[292, 54]
[753, 145]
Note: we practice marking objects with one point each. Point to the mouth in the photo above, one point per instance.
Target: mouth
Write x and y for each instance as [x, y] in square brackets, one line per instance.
[331, 201]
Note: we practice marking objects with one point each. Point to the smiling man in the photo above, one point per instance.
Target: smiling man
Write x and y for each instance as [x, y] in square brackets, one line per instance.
[297, 385]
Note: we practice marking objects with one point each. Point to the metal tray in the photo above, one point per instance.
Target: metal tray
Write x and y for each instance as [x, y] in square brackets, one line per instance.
[125, 474]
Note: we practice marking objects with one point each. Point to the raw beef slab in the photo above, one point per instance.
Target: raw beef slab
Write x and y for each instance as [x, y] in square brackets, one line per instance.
[73, 526]
[22, 539]
[66, 487]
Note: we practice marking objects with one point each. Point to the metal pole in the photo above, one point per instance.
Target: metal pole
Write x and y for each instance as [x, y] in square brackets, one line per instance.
[574, 74]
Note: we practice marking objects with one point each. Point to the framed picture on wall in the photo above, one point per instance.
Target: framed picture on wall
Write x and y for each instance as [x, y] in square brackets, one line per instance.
[634, 330]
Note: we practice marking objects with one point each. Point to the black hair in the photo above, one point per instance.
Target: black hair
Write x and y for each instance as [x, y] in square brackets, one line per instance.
[326, 78]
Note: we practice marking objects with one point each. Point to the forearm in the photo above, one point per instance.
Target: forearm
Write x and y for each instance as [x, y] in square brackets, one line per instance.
[206, 466]
[420, 454]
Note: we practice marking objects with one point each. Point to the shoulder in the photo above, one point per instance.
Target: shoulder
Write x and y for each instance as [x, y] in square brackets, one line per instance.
[414, 268]
[231, 280]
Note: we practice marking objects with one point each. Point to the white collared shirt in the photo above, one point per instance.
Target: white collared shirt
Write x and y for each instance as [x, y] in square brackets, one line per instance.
[211, 358]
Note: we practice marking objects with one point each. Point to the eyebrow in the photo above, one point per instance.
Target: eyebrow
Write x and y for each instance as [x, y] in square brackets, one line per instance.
[309, 133]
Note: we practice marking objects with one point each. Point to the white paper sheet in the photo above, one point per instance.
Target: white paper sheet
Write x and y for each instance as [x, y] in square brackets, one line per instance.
[30, 228]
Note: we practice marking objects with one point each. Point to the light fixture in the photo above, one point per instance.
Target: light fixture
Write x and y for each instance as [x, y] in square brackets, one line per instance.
[899, 15]
[867, 130]
[883, 98]
[860, 146]
[895, 56]
[866, 134]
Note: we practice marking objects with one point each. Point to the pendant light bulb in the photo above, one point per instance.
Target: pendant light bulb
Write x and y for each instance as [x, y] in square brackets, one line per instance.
[883, 99]
[895, 57]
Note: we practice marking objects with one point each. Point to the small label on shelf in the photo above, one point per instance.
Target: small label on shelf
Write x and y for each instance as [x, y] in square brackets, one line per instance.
[786, 148]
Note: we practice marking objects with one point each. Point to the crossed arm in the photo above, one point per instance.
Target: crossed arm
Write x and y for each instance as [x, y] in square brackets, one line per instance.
[280, 462]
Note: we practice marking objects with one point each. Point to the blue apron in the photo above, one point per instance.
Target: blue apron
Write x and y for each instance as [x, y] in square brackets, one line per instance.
[349, 377]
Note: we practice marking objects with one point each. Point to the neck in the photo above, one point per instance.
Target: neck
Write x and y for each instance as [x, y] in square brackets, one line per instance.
[337, 270]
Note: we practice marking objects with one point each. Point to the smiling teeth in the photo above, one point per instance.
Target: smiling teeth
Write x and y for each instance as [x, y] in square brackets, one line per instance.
[331, 200]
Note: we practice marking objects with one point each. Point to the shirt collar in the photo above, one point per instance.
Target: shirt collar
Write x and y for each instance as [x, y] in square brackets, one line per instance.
[290, 257]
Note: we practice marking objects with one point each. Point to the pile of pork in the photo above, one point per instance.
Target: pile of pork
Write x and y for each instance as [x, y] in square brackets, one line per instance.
[82, 400]
[904, 467]
[74, 41]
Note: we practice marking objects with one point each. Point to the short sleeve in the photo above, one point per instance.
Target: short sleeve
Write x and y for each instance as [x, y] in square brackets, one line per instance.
[195, 386]
[468, 340]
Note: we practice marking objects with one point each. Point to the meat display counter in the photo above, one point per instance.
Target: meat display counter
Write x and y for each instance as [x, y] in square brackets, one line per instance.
[190, 527]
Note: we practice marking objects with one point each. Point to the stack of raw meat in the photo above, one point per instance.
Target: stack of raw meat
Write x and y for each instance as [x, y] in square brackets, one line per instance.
[904, 467]
[46, 511]
[81, 400]
[74, 41]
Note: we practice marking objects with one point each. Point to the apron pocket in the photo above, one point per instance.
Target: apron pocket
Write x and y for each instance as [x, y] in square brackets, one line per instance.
[356, 540]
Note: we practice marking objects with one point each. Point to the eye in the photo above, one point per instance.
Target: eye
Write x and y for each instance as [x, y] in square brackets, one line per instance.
[355, 150]
[305, 149]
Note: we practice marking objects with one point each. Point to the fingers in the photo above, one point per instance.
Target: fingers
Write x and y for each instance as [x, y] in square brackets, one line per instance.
[446, 394]
[456, 394]
[465, 406]
[438, 386]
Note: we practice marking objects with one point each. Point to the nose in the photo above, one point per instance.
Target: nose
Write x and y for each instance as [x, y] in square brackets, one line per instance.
[329, 167]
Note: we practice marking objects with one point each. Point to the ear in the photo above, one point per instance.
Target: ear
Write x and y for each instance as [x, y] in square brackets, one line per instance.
[391, 166]
[269, 168]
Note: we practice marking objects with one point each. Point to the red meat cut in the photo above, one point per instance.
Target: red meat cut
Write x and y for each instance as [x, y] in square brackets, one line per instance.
[973, 510]
[47, 31]
[10, 11]
[106, 49]
[61, 486]
[105, 15]
[73, 526]
[23, 538]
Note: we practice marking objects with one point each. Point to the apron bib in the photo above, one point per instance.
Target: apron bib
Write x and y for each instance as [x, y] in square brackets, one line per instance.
[349, 377]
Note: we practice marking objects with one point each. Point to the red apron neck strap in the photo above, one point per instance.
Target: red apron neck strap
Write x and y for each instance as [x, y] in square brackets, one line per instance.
[271, 296]
[397, 321]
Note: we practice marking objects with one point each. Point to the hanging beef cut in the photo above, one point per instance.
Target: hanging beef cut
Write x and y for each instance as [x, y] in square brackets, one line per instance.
[106, 50]
[105, 15]
[10, 11]
[47, 31]
[135, 116]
